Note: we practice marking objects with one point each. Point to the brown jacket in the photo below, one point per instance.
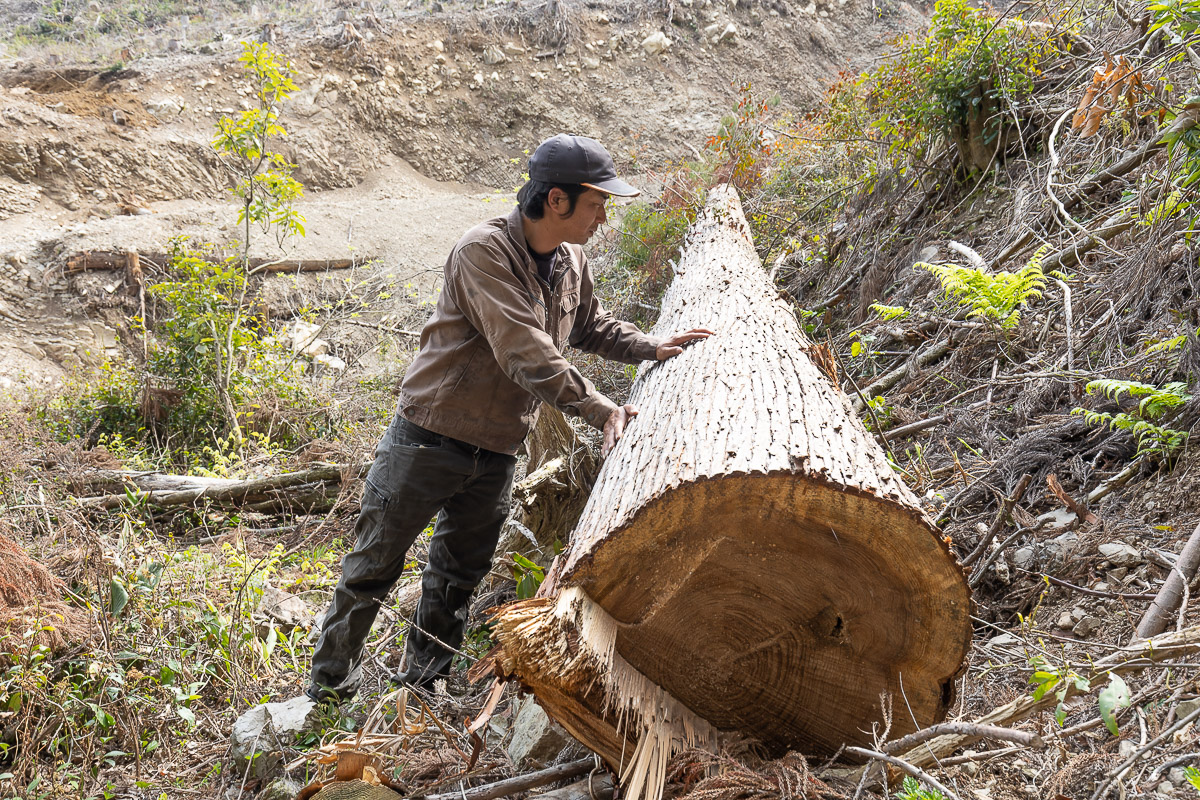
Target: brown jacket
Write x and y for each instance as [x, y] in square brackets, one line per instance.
[492, 351]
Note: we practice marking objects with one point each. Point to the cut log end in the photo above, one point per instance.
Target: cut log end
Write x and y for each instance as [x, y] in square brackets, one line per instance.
[753, 577]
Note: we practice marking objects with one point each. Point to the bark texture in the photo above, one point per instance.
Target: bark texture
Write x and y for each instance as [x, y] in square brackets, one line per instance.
[748, 562]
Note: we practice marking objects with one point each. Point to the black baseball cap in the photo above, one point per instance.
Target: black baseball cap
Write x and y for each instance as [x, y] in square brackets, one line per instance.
[577, 159]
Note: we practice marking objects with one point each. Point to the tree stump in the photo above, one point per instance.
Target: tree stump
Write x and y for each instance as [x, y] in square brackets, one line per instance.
[748, 562]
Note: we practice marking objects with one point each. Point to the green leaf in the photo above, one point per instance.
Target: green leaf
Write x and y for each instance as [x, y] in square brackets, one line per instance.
[1113, 697]
[186, 715]
[118, 596]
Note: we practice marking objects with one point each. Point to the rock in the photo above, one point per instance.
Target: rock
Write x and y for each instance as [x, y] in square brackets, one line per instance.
[1004, 640]
[1177, 775]
[266, 729]
[207, 49]
[511, 49]
[437, 45]
[303, 336]
[280, 789]
[1120, 554]
[331, 363]
[1165, 788]
[729, 33]
[536, 738]
[1127, 748]
[1116, 575]
[493, 55]
[656, 43]
[1186, 707]
[164, 107]
[1065, 622]
[1086, 627]
[590, 63]
[286, 609]
[1023, 558]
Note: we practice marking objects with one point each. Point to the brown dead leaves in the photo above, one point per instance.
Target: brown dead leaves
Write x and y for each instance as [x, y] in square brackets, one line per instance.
[1113, 85]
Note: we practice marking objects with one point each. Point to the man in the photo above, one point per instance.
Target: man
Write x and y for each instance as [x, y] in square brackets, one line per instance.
[517, 290]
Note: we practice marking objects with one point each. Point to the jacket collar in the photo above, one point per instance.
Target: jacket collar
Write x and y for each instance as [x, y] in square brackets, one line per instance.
[515, 222]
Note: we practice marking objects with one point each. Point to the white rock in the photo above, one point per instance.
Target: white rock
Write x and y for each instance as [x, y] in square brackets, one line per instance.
[1004, 640]
[708, 31]
[284, 608]
[326, 361]
[730, 32]
[1120, 554]
[266, 729]
[164, 107]
[1023, 558]
[590, 63]
[511, 49]
[437, 45]
[303, 336]
[493, 55]
[656, 43]
[1127, 748]
[1086, 627]
[536, 738]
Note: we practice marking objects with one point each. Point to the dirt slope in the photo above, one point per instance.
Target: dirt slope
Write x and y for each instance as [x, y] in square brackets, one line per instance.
[404, 131]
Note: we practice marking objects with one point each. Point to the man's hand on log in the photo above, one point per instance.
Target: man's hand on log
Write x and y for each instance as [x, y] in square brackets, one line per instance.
[614, 426]
[675, 344]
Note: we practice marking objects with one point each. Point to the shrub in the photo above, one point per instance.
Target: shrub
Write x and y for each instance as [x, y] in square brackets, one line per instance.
[958, 83]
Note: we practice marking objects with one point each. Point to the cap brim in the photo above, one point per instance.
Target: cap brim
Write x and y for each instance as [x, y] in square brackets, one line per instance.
[615, 187]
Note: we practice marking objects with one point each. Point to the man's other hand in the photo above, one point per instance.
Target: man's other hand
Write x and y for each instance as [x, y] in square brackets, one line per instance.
[675, 344]
[614, 426]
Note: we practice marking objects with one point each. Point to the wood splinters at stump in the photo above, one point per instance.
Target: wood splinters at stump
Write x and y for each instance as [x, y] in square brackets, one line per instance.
[748, 564]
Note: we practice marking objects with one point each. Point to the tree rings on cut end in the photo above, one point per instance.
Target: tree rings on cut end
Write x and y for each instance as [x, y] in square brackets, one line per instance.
[780, 607]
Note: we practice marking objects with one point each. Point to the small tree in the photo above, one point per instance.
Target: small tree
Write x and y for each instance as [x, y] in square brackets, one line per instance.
[208, 342]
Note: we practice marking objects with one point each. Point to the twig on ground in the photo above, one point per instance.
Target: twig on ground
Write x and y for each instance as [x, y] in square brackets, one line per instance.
[905, 767]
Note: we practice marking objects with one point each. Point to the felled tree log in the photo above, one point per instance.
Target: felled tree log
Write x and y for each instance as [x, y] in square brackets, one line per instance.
[306, 490]
[108, 259]
[748, 563]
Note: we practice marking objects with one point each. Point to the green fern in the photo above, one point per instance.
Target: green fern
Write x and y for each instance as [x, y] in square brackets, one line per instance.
[1155, 401]
[911, 789]
[889, 313]
[996, 297]
[1154, 404]
[1168, 345]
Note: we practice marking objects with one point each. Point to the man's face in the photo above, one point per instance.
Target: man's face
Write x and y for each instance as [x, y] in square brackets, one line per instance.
[589, 214]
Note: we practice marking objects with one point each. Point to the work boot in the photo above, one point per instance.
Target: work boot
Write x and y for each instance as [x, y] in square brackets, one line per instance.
[323, 696]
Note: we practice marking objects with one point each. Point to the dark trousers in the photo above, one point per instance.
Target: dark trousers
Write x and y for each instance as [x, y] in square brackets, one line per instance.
[416, 474]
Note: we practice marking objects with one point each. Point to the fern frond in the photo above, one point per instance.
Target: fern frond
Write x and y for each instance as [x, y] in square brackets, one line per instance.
[889, 313]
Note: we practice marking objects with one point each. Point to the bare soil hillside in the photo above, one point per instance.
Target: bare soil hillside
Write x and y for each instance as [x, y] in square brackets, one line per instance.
[409, 125]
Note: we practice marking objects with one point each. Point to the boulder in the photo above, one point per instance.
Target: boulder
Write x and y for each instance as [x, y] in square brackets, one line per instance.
[493, 55]
[285, 609]
[656, 43]
[536, 738]
[266, 730]
[1120, 554]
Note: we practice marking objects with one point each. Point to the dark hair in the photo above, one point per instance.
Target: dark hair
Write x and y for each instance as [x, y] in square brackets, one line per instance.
[533, 195]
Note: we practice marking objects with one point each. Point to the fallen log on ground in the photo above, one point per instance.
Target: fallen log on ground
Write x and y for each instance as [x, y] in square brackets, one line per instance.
[108, 259]
[1171, 594]
[748, 562]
